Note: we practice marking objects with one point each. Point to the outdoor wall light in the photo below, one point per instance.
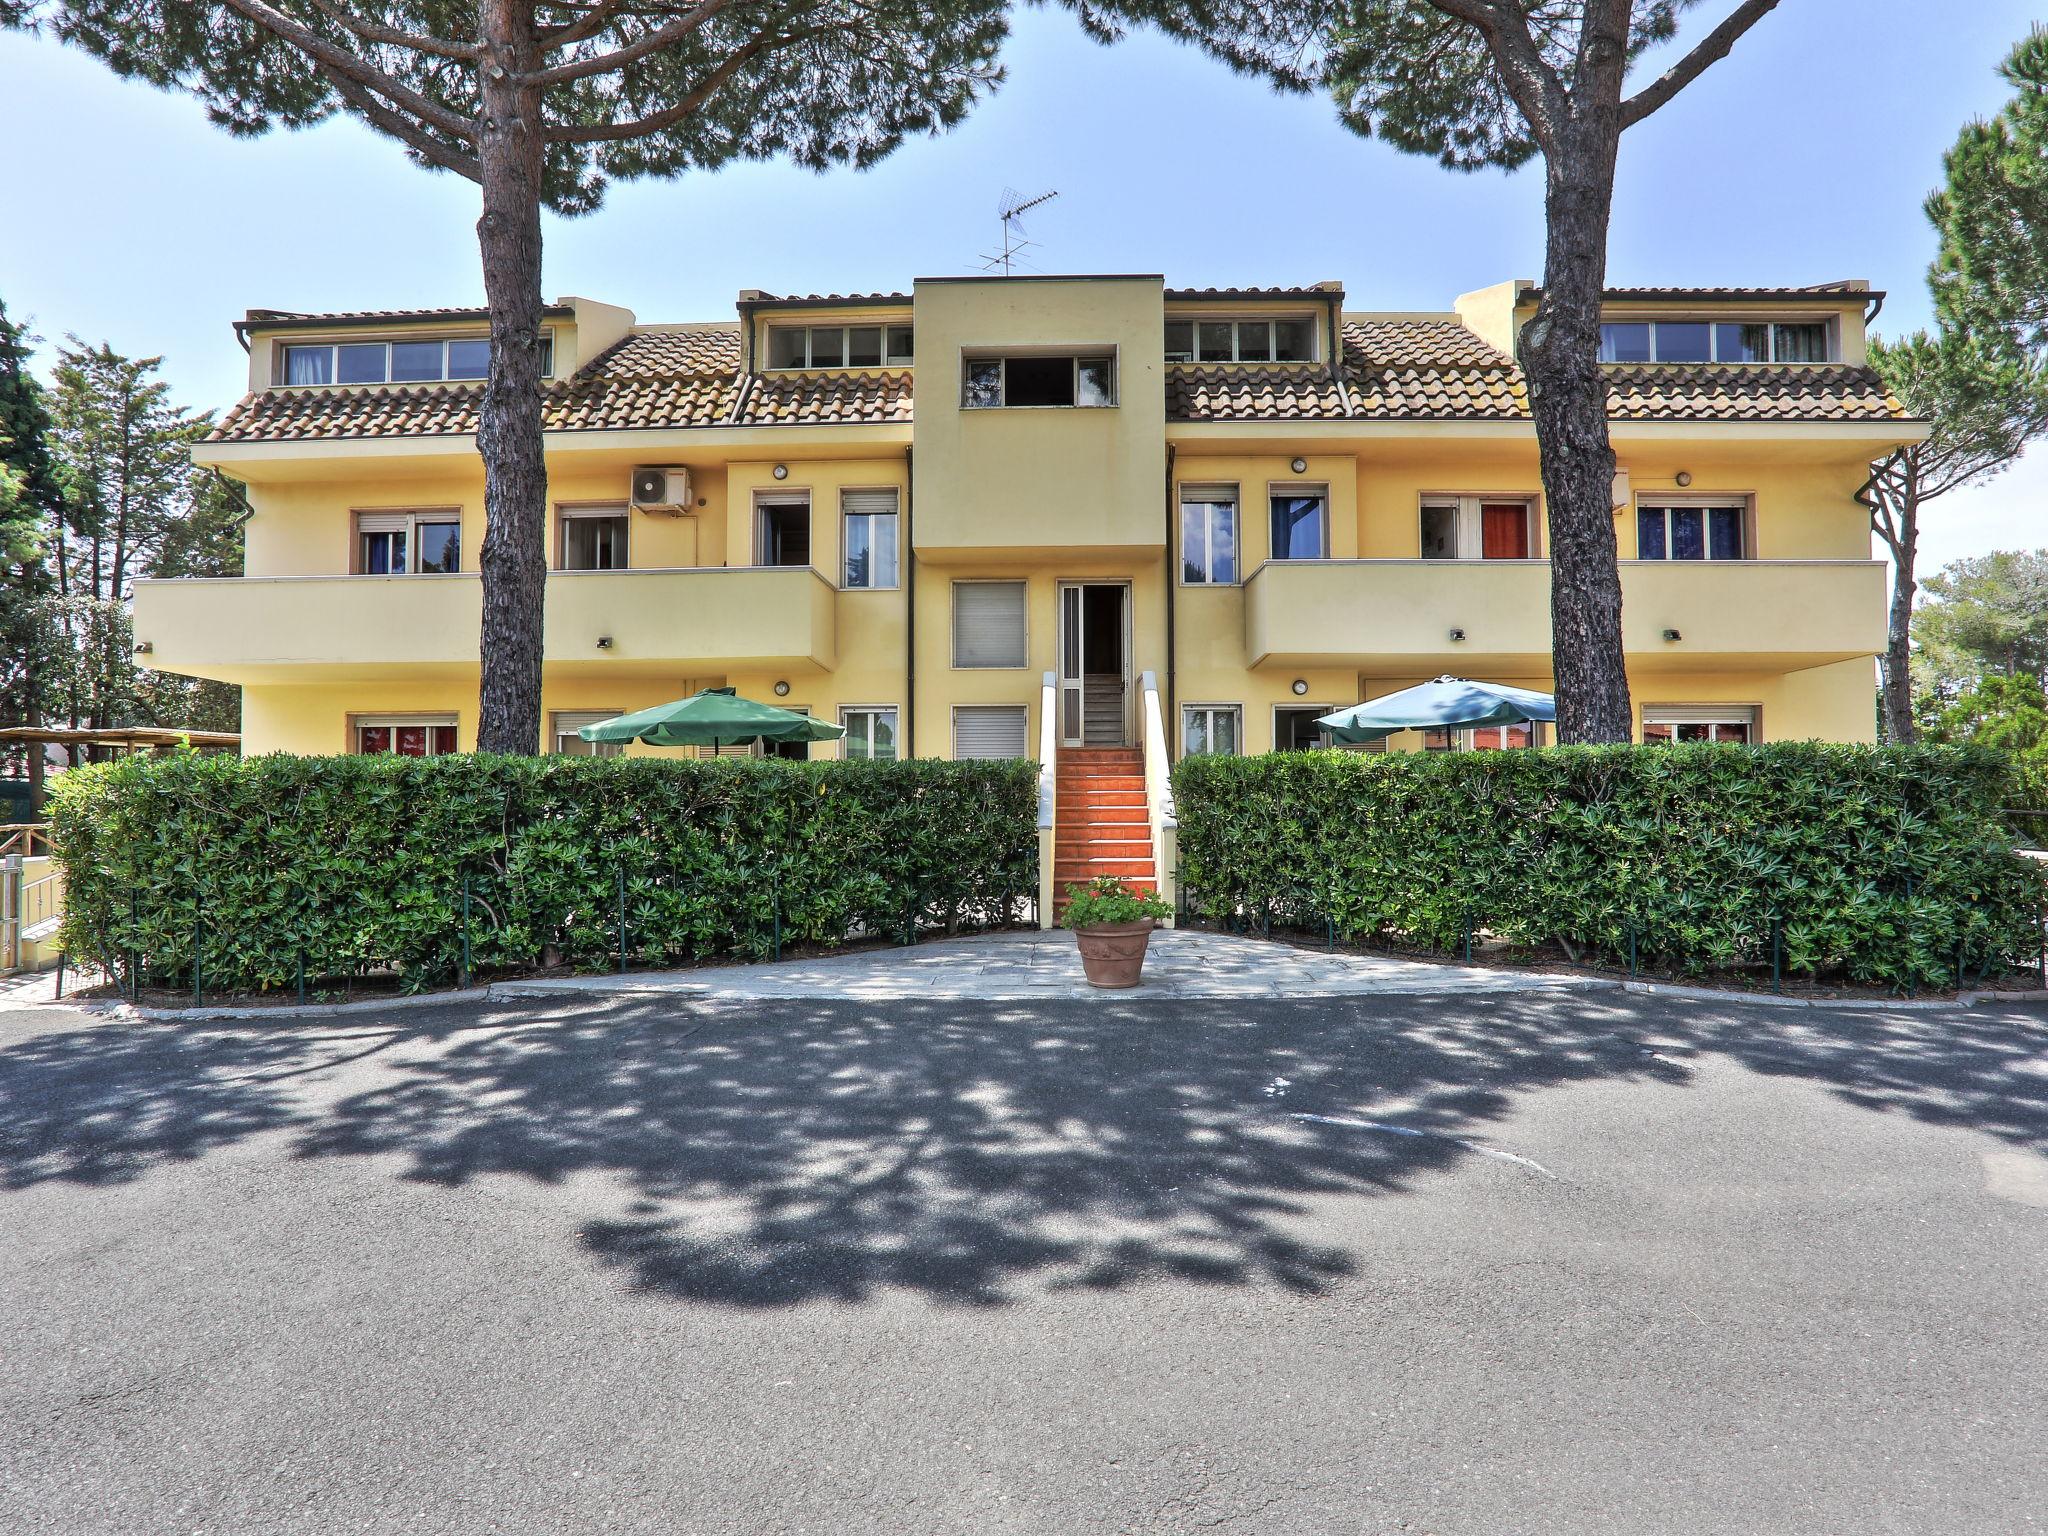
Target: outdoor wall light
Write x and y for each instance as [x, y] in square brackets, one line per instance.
[1300, 686]
[1685, 477]
[1299, 466]
[604, 642]
[1457, 634]
[782, 690]
[781, 471]
[144, 647]
[1672, 634]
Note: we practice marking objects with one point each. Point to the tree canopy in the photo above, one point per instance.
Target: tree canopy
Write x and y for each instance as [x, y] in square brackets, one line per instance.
[1984, 615]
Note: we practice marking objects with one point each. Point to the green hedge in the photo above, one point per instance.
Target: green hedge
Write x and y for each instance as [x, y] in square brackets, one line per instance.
[1883, 863]
[360, 862]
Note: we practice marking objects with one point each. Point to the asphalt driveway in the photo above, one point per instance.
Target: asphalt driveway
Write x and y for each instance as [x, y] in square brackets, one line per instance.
[1550, 1262]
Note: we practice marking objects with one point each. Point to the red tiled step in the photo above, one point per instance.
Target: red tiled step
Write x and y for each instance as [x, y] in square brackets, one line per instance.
[1102, 816]
[1132, 782]
[1070, 872]
[1093, 796]
[1085, 844]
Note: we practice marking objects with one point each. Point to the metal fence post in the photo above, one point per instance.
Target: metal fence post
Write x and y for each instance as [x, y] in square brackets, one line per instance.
[134, 937]
[10, 912]
[465, 932]
[1632, 952]
[299, 964]
[1468, 938]
[622, 915]
[198, 938]
[1777, 952]
[775, 896]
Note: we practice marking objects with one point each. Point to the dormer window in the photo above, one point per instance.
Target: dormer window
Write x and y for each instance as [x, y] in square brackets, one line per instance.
[1714, 341]
[839, 346]
[1286, 340]
[415, 360]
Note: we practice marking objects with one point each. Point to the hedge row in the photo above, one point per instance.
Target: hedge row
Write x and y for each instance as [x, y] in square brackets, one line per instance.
[347, 863]
[1884, 865]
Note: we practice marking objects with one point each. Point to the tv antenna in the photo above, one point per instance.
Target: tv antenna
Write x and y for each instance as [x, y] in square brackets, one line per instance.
[1015, 242]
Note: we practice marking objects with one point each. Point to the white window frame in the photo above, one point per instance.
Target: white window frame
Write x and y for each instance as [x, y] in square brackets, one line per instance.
[889, 359]
[364, 520]
[1075, 357]
[847, 714]
[846, 517]
[285, 348]
[783, 496]
[1829, 330]
[1214, 494]
[1750, 715]
[396, 722]
[563, 723]
[1187, 720]
[1237, 324]
[1024, 643]
[1018, 709]
[1464, 737]
[1277, 488]
[1469, 525]
[606, 511]
[1653, 501]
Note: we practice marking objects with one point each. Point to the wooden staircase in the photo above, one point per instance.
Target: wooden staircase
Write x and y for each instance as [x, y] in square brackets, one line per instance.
[1100, 826]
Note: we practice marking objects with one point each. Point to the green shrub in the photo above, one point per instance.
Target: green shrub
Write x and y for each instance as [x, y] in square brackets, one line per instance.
[1882, 863]
[353, 862]
[1110, 899]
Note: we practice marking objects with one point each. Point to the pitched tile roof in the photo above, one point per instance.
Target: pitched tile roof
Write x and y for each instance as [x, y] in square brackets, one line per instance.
[1854, 289]
[297, 319]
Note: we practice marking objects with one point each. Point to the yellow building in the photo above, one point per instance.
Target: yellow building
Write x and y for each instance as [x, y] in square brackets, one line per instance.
[1254, 501]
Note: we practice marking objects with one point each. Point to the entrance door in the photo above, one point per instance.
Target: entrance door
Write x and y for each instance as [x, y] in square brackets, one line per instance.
[1095, 663]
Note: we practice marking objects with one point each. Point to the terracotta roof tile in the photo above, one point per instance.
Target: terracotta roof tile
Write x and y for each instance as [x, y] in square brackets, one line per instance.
[853, 397]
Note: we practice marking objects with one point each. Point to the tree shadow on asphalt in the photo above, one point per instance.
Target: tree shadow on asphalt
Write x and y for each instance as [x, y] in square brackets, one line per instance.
[969, 1153]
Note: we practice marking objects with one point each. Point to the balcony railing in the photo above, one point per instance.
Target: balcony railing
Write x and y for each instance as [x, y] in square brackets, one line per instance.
[280, 628]
[1491, 613]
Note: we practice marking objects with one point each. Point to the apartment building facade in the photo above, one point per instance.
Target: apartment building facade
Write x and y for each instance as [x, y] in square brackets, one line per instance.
[940, 517]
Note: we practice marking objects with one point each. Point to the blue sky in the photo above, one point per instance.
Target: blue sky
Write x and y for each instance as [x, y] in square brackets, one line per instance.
[1802, 157]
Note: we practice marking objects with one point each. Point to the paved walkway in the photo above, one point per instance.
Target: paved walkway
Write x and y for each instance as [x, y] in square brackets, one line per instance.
[1023, 966]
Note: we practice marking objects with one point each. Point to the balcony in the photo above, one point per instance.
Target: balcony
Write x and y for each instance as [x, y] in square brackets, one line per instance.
[273, 629]
[1398, 615]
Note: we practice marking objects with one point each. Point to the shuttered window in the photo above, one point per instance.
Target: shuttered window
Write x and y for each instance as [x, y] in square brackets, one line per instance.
[869, 540]
[988, 730]
[988, 623]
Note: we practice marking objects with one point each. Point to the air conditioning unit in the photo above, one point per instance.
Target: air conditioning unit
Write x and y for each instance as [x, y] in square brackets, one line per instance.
[659, 489]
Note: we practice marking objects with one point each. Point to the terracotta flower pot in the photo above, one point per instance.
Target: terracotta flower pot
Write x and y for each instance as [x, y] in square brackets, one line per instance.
[1113, 954]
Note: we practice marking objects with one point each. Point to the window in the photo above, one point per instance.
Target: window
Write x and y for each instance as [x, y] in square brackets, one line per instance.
[1718, 341]
[412, 361]
[593, 538]
[1208, 534]
[988, 730]
[1295, 728]
[565, 723]
[1286, 340]
[1211, 728]
[988, 624]
[838, 346]
[1477, 528]
[1711, 722]
[1037, 379]
[1301, 524]
[405, 543]
[405, 735]
[870, 734]
[868, 522]
[782, 527]
[1483, 738]
[1698, 531]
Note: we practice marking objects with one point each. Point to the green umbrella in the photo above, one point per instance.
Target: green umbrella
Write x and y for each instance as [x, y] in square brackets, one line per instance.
[1447, 703]
[717, 717]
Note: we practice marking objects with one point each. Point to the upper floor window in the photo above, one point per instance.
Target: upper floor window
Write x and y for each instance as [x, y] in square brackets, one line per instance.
[1208, 534]
[1301, 523]
[782, 533]
[411, 361]
[1285, 340]
[593, 538]
[1477, 528]
[1718, 341]
[408, 543]
[838, 346]
[1697, 532]
[868, 519]
[1038, 379]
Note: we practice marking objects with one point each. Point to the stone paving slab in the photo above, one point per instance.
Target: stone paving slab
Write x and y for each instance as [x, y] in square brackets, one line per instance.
[1008, 967]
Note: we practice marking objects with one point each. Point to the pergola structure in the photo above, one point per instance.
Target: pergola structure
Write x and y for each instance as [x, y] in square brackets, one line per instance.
[120, 740]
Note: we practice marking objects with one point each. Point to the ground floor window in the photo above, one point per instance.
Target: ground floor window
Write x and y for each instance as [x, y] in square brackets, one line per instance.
[870, 734]
[989, 730]
[1705, 722]
[405, 735]
[1295, 728]
[566, 741]
[1483, 738]
[1211, 728]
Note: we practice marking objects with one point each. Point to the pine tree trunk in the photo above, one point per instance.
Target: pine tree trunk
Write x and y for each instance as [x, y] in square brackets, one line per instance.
[1898, 641]
[1560, 353]
[514, 563]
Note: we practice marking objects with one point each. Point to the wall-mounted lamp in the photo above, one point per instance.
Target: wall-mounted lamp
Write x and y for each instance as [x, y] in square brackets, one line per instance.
[144, 647]
[781, 471]
[1300, 686]
[1299, 466]
[1685, 477]
[1672, 634]
[782, 690]
[604, 642]
[1457, 634]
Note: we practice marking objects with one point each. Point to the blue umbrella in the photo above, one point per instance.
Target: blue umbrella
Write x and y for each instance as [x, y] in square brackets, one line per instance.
[1449, 703]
